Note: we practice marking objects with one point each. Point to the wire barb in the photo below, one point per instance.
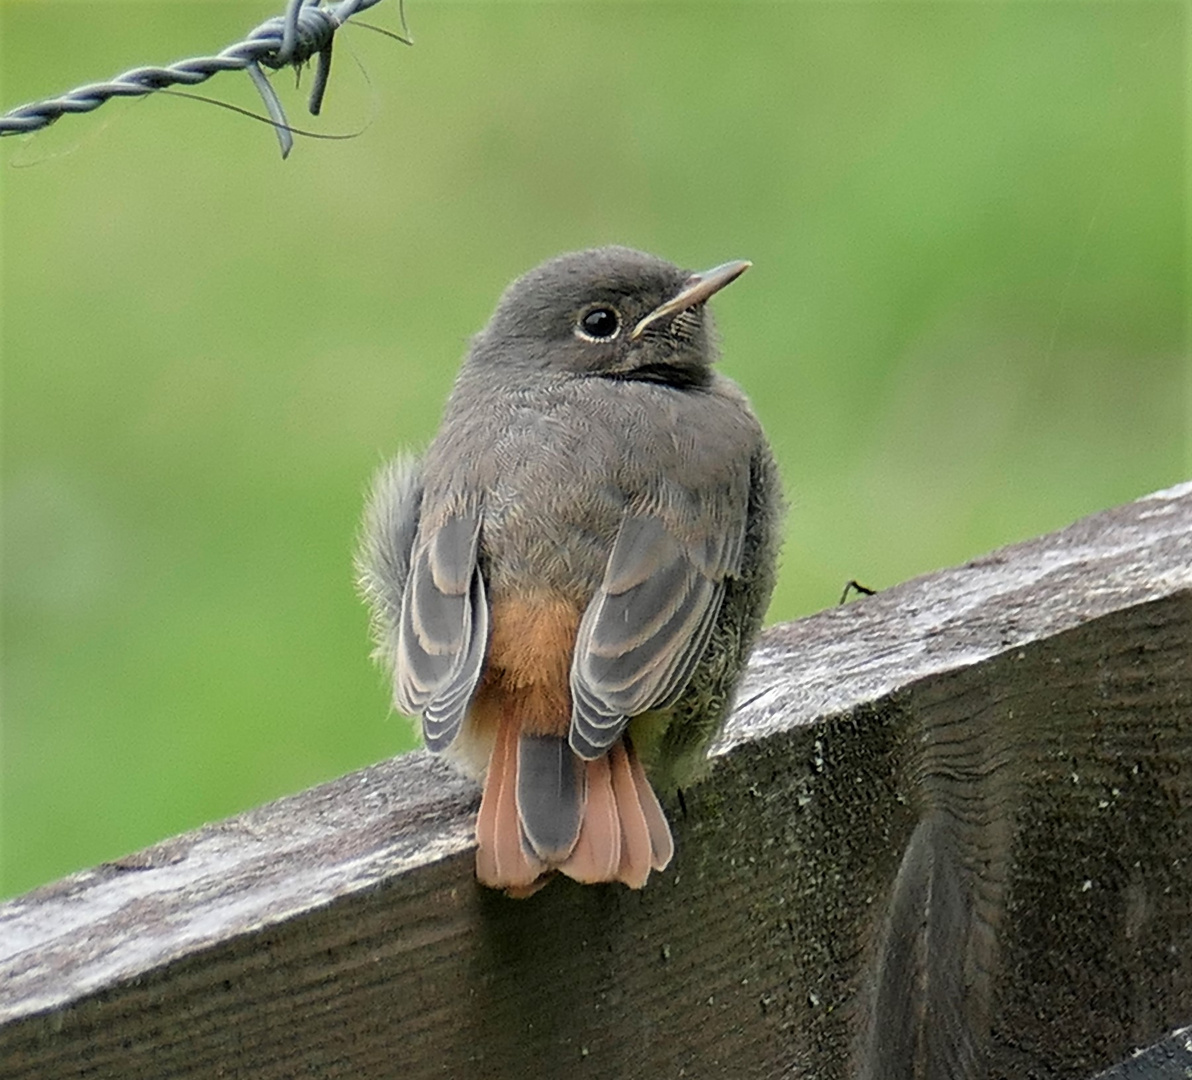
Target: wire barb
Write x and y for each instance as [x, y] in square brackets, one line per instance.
[305, 30]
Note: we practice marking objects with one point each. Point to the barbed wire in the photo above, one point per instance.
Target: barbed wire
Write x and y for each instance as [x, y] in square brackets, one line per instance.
[306, 30]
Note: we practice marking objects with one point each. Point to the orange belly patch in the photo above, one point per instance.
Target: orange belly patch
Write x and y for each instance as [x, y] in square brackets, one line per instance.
[529, 661]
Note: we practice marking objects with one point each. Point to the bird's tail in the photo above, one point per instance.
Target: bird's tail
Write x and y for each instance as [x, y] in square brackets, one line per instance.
[545, 809]
[624, 834]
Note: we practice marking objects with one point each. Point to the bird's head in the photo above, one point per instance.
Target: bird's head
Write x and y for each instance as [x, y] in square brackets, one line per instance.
[611, 313]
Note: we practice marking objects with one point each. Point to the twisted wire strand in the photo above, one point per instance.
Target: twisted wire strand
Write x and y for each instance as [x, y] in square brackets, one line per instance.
[306, 29]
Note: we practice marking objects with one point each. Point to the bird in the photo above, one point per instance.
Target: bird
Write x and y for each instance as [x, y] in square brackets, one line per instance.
[565, 586]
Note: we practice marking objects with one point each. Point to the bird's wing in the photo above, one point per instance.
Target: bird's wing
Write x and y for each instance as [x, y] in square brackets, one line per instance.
[443, 633]
[648, 624]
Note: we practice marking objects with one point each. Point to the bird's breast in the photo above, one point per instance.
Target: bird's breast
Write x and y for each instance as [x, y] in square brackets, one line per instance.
[557, 466]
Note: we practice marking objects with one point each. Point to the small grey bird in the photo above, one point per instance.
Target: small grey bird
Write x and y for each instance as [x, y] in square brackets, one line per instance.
[566, 586]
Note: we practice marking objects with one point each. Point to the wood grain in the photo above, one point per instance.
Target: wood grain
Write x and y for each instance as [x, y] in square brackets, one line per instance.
[947, 835]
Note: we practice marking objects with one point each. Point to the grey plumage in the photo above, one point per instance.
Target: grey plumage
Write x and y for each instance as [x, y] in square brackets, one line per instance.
[384, 549]
[620, 479]
[444, 627]
[645, 628]
[676, 749]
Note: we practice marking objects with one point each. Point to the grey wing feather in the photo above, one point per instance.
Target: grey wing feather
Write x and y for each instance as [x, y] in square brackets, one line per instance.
[443, 630]
[427, 595]
[684, 664]
[647, 626]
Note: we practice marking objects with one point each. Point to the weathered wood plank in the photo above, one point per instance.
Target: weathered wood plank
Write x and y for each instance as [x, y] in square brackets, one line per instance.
[1168, 1059]
[946, 836]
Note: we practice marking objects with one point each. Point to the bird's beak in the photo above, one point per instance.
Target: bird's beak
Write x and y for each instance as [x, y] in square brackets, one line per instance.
[696, 289]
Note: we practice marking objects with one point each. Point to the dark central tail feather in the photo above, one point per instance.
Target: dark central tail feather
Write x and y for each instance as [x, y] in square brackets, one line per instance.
[551, 794]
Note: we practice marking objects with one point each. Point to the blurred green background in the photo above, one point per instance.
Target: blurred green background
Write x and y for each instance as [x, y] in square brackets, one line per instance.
[965, 326]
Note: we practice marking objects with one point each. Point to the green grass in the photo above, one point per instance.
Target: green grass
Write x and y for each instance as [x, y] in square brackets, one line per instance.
[965, 326]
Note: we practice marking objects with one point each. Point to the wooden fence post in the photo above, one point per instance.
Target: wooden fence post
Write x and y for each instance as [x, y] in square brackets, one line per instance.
[948, 835]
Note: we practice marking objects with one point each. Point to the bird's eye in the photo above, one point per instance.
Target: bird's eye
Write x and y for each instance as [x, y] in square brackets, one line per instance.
[599, 324]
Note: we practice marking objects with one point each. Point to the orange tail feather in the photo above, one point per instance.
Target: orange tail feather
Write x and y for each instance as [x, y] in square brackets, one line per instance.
[501, 859]
[597, 852]
[635, 833]
[662, 844]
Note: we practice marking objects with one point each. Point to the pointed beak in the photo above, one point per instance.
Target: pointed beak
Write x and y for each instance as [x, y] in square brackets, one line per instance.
[696, 289]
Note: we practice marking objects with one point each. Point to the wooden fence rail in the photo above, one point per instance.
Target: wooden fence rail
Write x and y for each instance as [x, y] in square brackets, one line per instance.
[948, 835]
